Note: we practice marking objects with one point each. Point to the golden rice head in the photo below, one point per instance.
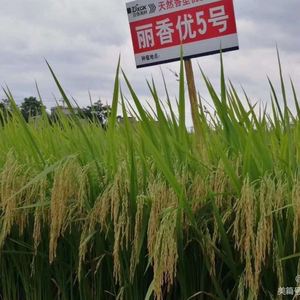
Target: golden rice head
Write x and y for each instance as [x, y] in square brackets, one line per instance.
[28, 197]
[219, 185]
[83, 248]
[278, 264]
[280, 198]
[241, 288]
[140, 218]
[41, 214]
[165, 254]
[83, 188]
[209, 249]
[264, 235]
[111, 208]
[161, 197]
[98, 214]
[8, 200]
[101, 211]
[244, 229]
[13, 178]
[296, 205]
[121, 219]
[219, 188]
[198, 192]
[65, 200]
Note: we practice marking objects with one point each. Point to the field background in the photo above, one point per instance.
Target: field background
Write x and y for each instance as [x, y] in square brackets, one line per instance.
[148, 209]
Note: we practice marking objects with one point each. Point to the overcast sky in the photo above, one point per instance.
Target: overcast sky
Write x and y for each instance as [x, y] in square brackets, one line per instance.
[82, 40]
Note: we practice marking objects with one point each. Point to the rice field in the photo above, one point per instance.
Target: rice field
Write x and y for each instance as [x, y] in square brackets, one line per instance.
[149, 210]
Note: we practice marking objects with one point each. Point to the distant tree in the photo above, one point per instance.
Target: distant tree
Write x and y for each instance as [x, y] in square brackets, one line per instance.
[97, 112]
[31, 107]
[5, 111]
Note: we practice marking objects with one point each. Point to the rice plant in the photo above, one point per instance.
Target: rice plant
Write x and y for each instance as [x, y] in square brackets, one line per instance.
[149, 210]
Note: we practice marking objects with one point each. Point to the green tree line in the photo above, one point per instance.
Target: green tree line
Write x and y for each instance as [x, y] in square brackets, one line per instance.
[33, 108]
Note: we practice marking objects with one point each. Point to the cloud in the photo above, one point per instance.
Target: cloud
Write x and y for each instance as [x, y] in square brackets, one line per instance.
[265, 23]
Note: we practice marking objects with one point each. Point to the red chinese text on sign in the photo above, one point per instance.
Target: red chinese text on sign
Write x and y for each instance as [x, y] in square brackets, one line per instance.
[159, 28]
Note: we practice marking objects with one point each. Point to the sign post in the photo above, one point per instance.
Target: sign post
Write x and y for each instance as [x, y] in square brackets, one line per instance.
[159, 28]
[192, 94]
